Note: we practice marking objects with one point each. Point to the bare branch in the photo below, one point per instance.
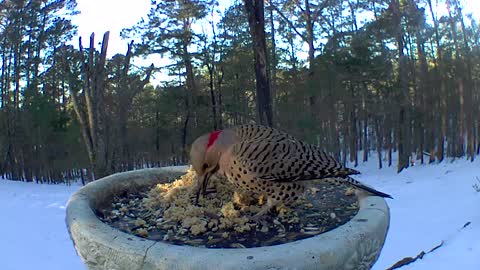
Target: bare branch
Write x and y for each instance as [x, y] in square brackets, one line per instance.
[288, 21]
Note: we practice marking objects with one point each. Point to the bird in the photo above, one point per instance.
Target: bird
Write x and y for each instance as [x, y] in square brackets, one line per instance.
[268, 162]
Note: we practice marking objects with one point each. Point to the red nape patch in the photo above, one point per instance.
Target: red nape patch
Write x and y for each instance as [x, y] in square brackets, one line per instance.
[213, 137]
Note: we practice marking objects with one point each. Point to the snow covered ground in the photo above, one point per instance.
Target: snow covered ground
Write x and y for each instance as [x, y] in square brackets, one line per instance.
[33, 234]
[432, 204]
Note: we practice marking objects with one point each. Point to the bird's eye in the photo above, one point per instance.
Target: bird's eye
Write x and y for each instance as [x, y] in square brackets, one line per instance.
[205, 166]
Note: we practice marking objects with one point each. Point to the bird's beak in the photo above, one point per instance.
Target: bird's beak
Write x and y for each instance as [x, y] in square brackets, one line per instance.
[205, 182]
[202, 187]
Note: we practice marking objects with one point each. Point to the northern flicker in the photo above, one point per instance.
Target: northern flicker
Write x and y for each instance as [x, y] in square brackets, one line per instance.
[266, 161]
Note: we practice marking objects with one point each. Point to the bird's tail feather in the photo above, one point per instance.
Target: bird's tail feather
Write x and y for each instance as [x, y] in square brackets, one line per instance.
[373, 191]
[359, 185]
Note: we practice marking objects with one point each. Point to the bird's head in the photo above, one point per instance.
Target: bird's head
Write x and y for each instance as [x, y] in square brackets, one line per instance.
[205, 155]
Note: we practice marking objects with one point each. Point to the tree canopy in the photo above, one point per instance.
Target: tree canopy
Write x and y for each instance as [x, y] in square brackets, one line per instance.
[355, 77]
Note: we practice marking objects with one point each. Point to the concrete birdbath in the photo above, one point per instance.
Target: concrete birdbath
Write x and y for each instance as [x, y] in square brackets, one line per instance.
[353, 245]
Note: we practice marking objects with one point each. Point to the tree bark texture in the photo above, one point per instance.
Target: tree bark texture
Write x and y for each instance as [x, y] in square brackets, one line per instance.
[256, 21]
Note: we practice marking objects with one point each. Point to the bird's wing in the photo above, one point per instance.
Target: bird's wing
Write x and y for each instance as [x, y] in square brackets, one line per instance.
[258, 132]
[286, 160]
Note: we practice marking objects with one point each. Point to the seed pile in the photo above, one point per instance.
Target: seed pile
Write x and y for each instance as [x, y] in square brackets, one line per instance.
[222, 219]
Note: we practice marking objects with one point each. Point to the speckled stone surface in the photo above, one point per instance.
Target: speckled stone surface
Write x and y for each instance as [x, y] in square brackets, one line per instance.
[354, 245]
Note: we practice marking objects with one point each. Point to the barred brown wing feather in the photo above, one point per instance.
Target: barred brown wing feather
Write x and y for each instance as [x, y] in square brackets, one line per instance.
[286, 160]
[258, 132]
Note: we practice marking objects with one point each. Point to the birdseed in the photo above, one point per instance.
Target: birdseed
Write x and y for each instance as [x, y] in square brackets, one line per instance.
[166, 212]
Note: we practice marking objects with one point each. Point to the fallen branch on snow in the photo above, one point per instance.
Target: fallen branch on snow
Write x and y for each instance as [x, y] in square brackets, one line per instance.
[409, 260]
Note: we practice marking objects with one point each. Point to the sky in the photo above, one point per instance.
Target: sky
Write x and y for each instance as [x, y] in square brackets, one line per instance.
[114, 15]
[108, 15]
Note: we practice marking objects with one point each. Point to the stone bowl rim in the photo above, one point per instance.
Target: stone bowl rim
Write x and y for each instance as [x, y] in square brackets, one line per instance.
[373, 215]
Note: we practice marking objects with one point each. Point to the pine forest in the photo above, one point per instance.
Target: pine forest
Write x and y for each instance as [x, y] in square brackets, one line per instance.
[393, 80]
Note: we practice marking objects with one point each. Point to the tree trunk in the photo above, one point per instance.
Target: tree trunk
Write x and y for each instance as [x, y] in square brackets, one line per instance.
[210, 68]
[92, 118]
[220, 105]
[466, 64]
[440, 79]
[459, 136]
[256, 21]
[403, 124]
[378, 135]
[273, 62]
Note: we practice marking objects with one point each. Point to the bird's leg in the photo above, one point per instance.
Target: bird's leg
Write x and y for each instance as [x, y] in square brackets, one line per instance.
[269, 205]
[205, 183]
[197, 194]
[200, 188]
